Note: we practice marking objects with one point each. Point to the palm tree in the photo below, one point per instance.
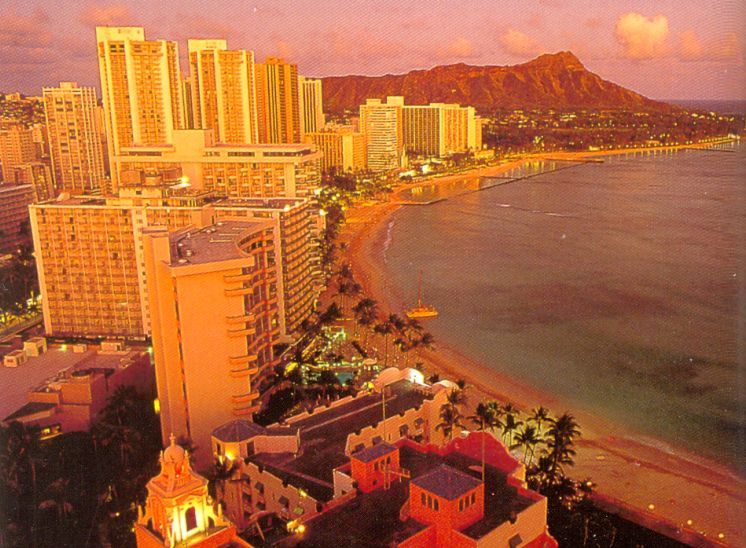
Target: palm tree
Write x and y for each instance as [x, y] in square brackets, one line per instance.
[450, 419]
[384, 328]
[484, 417]
[527, 438]
[456, 396]
[538, 416]
[509, 426]
[366, 311]
[560, 441]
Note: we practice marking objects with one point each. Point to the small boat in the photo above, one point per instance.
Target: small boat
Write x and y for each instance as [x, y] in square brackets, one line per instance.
[421, 310]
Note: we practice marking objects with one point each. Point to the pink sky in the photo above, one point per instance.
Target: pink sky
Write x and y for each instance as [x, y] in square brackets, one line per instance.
[665, 49]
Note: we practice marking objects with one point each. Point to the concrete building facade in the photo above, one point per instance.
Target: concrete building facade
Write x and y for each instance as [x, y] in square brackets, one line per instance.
[311, 104]
[381, 123]
[140, 87]
[16, 147]
[342, 149]
[213, 303]
[223, 95]
[278, 102]
[236, 171]
[74, 141]
[14, 216]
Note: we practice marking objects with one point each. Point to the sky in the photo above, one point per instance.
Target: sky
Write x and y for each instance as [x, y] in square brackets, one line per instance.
[664, 49]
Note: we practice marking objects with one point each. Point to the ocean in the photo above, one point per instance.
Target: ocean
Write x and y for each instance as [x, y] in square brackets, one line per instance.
[618, 286]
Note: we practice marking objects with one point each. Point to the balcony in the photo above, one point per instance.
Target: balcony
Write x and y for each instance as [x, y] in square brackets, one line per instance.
[234, 320]
[243, 411]
[242, 332]
[244, 372]
[244, 398]
[241, 360]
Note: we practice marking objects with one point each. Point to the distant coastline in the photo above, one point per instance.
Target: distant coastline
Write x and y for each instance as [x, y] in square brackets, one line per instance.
[605, 448]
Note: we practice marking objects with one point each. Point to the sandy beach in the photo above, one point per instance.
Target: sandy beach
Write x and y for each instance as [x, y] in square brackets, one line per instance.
[630, 473]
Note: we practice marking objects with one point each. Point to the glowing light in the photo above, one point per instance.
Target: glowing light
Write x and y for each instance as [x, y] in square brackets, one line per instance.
[150, 350]
[63, 348]
[229, 455]
[157, 406]
[721, 536]
[302, 529]
[322, 212]
[689, 522]
[651, 506]
[302, 493]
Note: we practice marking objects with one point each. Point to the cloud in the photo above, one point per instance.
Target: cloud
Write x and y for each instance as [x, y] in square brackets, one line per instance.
[24, 31]
[691, 48]
[515, 42]
[99, 16]
[642, 37]
[459, 48]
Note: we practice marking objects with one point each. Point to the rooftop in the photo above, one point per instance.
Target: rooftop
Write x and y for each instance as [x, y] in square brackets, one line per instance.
[54, 366]
[372, 453]
[447, 482]
[324, 433]
[215, 243]
[375, 515]
[237, 430]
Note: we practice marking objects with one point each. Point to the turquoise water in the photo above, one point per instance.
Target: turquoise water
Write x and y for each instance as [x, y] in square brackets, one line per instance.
[618, 286]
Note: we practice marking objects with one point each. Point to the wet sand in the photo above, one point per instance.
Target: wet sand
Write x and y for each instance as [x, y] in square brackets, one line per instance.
[630, 473]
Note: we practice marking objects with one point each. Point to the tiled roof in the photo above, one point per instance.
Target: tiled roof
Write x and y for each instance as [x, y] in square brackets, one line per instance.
[372, 453]
[30, 408]
[237, 430]
[447, 482]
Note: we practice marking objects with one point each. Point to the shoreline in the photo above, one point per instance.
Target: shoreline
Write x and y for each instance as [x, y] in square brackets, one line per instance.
[633, 472]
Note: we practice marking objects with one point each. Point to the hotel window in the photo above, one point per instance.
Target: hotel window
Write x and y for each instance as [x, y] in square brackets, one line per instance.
[423, 499]
[436, 506]
[473, 498]
[461, 505]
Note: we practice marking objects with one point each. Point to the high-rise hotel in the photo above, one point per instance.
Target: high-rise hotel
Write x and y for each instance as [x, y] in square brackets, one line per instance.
[278, 105]
[311, 108]
[382, 125]
[223, 96]
[74, 141]
[140, 87]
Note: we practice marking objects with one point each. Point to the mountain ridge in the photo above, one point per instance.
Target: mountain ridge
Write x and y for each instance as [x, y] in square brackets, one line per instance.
[551, 80]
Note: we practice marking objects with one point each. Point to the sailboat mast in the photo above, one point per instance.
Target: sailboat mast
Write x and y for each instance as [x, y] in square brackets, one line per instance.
[419, 291]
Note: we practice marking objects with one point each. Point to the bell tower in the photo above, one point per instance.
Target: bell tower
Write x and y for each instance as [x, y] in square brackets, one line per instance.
[178, 509]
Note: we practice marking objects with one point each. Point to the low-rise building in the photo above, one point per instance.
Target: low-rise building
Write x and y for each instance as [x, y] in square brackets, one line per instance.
[375, 469]
[83, 378]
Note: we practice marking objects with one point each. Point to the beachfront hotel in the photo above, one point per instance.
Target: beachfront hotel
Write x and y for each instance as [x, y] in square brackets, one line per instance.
[213, 305]
[342, 149]
[440, 129]
[381, 123]
[373, 468]
[74, 140]
[178, 510]
[108, 295]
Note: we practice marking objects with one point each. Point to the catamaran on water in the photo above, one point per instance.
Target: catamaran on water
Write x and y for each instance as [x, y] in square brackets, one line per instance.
[421, 310]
